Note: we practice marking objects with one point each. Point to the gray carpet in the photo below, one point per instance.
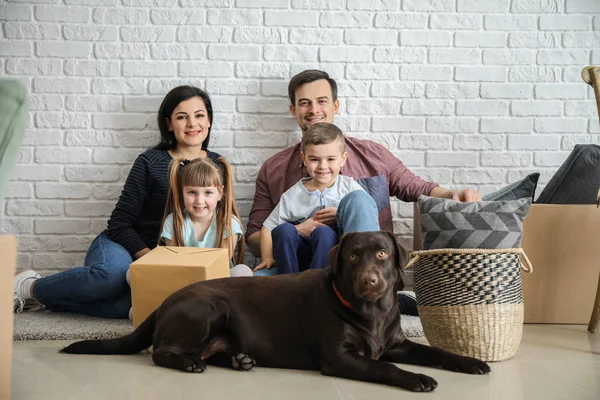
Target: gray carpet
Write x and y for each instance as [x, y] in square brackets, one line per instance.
[46, 325]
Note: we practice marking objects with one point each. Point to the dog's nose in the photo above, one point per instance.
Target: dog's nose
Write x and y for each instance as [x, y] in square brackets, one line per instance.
[369, 279]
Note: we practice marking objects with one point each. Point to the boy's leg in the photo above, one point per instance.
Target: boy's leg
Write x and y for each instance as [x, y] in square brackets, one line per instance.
[322, 240]
[357, 212]
[286, 240]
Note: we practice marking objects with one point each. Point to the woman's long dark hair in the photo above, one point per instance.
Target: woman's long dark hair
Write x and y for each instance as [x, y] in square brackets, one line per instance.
[169, 103]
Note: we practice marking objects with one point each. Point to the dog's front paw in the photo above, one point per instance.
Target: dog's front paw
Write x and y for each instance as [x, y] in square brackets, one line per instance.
[470, 365]
[195, 366]
[242, 362]
[420, 383]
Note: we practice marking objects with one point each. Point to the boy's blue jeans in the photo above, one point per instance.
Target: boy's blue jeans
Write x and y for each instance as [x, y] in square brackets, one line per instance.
[97, 289]
[357, 212]
[294, 253]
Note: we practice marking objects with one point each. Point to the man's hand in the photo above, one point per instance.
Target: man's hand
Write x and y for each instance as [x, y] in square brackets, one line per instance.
[305, 228]
[326, 216]
[466, 195]
[266, 263]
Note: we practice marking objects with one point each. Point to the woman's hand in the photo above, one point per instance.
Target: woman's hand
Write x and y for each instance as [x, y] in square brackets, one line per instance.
[141, 253]
[266, 263]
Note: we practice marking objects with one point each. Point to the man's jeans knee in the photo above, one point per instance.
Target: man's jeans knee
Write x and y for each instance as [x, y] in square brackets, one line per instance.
[357, 212]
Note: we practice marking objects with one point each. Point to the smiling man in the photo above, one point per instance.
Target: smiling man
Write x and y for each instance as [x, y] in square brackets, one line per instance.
[313, 98]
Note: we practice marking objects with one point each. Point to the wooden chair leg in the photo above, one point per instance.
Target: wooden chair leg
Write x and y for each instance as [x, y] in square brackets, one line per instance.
[595, 319]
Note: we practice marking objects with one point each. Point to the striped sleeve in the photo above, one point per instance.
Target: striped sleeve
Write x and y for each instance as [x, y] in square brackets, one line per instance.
[130, 207]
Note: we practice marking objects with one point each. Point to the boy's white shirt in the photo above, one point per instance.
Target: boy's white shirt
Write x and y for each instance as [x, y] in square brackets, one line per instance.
[298, 203]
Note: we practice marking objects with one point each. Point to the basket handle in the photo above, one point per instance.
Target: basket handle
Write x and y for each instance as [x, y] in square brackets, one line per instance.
[526, 264]
[413, 259]
[527, 267]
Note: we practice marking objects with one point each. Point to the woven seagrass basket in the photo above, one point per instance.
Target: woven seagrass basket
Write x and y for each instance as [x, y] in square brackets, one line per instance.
[471, 300]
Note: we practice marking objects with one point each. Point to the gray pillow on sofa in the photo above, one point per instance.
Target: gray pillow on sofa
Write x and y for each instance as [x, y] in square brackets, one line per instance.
[577, 180]
[449, 223]
[523, 189]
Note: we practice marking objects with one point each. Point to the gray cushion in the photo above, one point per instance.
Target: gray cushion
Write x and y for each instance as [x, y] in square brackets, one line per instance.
[523, 189]
[485, 224]
[577, 180]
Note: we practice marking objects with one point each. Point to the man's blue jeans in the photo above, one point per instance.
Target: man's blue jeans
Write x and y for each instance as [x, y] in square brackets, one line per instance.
[97, 289]
[357, 212]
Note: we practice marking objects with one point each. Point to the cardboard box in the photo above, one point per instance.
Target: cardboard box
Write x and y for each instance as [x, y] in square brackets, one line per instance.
[164, 270]
[8, 249]
[563, 245]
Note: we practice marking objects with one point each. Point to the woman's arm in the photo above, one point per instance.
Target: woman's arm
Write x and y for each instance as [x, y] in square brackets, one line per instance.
[129, 209]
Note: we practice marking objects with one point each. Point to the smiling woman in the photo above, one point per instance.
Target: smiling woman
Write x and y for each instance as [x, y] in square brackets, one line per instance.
[99, 288]
[190, 123]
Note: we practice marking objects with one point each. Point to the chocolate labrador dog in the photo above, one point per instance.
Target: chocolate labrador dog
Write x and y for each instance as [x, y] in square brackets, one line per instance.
[342, 321]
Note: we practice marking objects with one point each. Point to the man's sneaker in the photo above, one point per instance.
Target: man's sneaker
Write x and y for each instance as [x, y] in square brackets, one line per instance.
[22, 295]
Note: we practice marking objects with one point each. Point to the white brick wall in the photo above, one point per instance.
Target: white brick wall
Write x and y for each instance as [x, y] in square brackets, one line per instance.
[466, 92]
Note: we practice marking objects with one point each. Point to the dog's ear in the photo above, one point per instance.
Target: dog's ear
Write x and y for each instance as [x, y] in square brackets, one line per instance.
[401, 259]
[333, 257]
[334, 254]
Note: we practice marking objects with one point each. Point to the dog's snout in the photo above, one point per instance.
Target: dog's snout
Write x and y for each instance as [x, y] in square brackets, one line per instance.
[370, 279]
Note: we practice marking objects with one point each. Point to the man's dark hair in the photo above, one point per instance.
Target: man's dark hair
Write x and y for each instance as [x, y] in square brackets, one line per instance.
[308, 76]
[323, 133]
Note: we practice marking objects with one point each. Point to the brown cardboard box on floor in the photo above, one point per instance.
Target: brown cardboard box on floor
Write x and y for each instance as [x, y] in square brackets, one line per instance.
[8, 249]
[165, 269]
[563, 245]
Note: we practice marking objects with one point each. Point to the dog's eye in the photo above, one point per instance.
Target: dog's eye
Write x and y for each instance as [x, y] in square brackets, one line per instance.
[382, 254]
[352, 257]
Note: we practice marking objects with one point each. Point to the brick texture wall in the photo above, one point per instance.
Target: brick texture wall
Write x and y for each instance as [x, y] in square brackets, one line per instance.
[466, 92]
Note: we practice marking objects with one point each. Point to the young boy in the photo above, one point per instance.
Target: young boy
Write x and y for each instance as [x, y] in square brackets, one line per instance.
[324, 155]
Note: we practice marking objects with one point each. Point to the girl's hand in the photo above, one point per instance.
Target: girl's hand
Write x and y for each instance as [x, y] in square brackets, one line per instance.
[266, 263]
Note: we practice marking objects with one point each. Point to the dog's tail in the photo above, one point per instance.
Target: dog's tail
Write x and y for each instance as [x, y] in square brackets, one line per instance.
[135, 342]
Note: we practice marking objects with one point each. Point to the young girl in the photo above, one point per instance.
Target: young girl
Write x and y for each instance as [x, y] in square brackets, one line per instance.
[201, 210]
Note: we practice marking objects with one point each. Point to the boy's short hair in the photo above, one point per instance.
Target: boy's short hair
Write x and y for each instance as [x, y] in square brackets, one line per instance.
[308, 76]
[323, 133]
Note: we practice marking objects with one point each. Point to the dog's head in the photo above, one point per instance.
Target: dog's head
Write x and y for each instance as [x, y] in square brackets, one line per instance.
[368, 263]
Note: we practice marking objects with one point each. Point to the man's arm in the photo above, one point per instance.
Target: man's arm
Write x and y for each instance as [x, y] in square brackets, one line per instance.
[407, 186]
[253, 243]
[261, 208]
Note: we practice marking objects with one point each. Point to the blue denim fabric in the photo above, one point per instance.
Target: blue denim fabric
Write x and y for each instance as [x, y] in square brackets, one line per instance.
[97, 289]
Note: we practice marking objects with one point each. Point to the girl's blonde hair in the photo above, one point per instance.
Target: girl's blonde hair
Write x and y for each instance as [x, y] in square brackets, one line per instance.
[203, 172]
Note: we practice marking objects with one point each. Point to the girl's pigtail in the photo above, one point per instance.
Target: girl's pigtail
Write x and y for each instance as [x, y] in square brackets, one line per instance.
[174, 203]
[227, 211]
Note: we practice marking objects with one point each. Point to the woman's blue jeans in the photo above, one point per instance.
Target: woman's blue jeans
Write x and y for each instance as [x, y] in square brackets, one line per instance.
[98, 289]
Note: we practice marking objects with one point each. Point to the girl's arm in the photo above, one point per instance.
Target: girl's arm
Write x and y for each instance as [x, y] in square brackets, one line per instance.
[266, 250]
[230, 245]
[168, 242]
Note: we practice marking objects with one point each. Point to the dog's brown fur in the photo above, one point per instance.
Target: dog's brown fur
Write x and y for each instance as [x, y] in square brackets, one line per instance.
[295, 321]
